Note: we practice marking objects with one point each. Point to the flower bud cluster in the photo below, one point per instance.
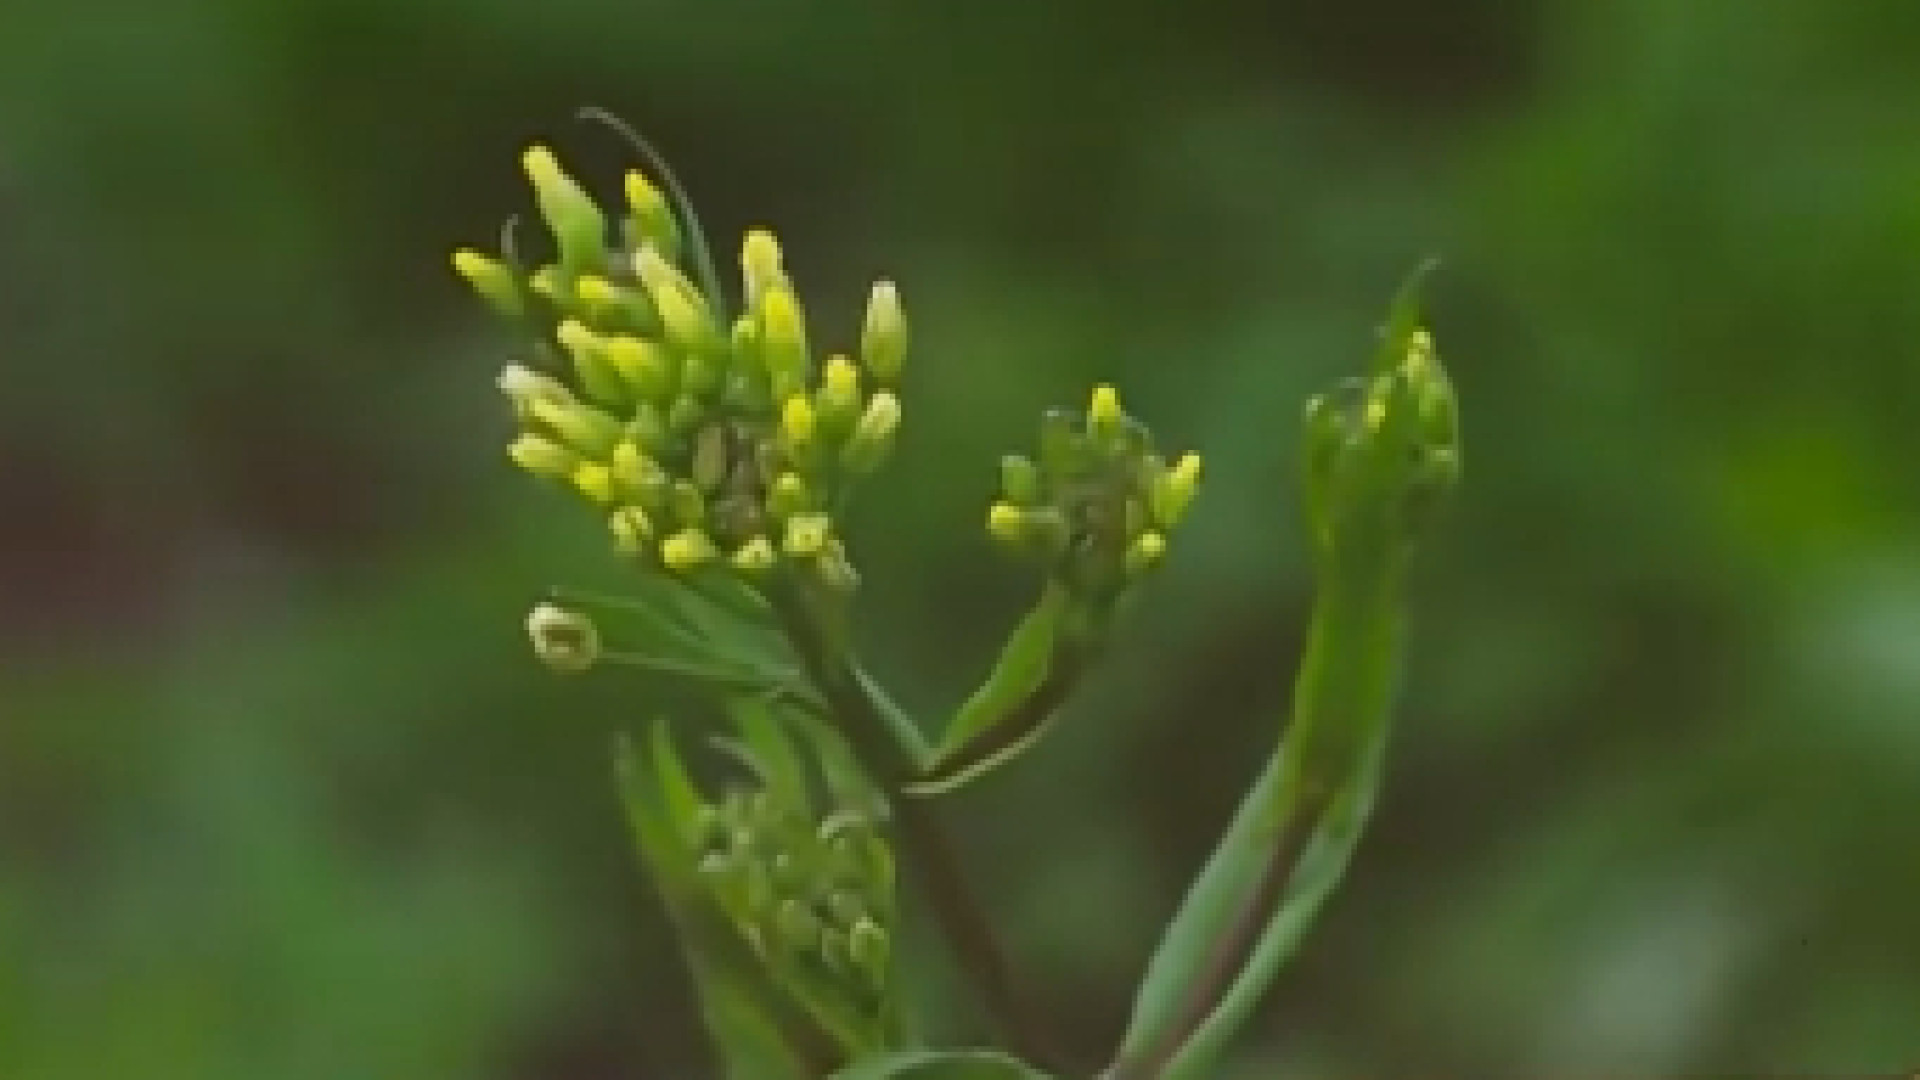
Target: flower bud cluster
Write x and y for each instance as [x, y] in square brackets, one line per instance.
[814, 900]
[1097, 506]
[708, 439]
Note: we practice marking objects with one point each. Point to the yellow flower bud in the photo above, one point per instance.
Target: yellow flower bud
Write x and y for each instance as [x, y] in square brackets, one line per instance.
[1145, 553]
[807, 535]
[635, 472]
[756, 556]
[783, 334]
[631, 529]
[883, 337]
[1007, 523]
[590, 361]
[797, 422]
[525, 387]
[594, 480]
[788, 497]
[492, 280]
[760, 261]
[1173, 491]
[687, 550]
[683, 312]
[839, 398]
[582, 427]
[542, 457]
[872, 436]
[1104, 414]
[565, 641]
[653, 219]
[644, 365]
[579, 229]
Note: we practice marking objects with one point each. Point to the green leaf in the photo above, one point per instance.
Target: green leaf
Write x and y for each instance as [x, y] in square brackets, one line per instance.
[940, 1065]
[1319, 785]
[716, 633]
[1403, 317]
[1017, 703]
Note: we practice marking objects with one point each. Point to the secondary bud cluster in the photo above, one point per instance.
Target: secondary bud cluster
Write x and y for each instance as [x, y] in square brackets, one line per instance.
[1381, 452]
[707, 439]
[1097, 505]
[814, 900]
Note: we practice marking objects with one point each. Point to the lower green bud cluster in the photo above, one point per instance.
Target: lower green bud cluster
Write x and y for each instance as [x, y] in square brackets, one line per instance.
[1097, 506]
[813, 899]
[707, 440]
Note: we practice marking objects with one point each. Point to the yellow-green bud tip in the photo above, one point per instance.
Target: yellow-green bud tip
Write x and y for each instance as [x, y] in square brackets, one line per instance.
[797, 420]
[573, 334]
[1146, 552]
[631, 527]
[472, 265]
[1104, 412]
[756, 556]
[565, 641]
[687, 550]
[596, 290]
[1006, 522]
[883, 337]
[542, 167]
[760, 262]
[542, 456]
[641, 193]
[594, 480]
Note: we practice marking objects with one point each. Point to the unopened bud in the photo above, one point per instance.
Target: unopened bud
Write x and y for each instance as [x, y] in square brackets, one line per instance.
[493, 281]
[760, 267]
[683, 312]
[756, 556]
[542, 457]
[565, 641]
[590, 362]
[688, 549]
[868, 948]
[582, 427]
[839, 399]
[1105, 417]
[578, 228]
[525, 387]
[1173, 490]
[1007, 524]
[807, 535]
[883, 337]
[594, 480]
[797, 422]
[788, 497]
[638, 475]
[631, 530]
[783, 335]
[653, 219]
[1145, 553]
[872, 436]
[1019, 480]
[641, 364]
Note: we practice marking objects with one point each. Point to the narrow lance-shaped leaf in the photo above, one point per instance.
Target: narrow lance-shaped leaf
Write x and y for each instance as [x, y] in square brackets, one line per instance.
[1012, 709]
[941, 1065]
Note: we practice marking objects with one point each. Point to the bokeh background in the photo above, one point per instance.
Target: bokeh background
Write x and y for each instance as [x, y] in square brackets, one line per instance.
[282, 795]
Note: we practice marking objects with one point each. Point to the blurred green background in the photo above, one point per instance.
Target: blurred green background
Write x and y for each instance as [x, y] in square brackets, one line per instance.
[283, 796]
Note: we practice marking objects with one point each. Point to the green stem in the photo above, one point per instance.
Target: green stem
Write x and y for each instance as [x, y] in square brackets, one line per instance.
[892, 749]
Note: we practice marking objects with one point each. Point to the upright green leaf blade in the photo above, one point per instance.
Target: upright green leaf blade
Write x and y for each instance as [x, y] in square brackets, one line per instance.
[941, 1065]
